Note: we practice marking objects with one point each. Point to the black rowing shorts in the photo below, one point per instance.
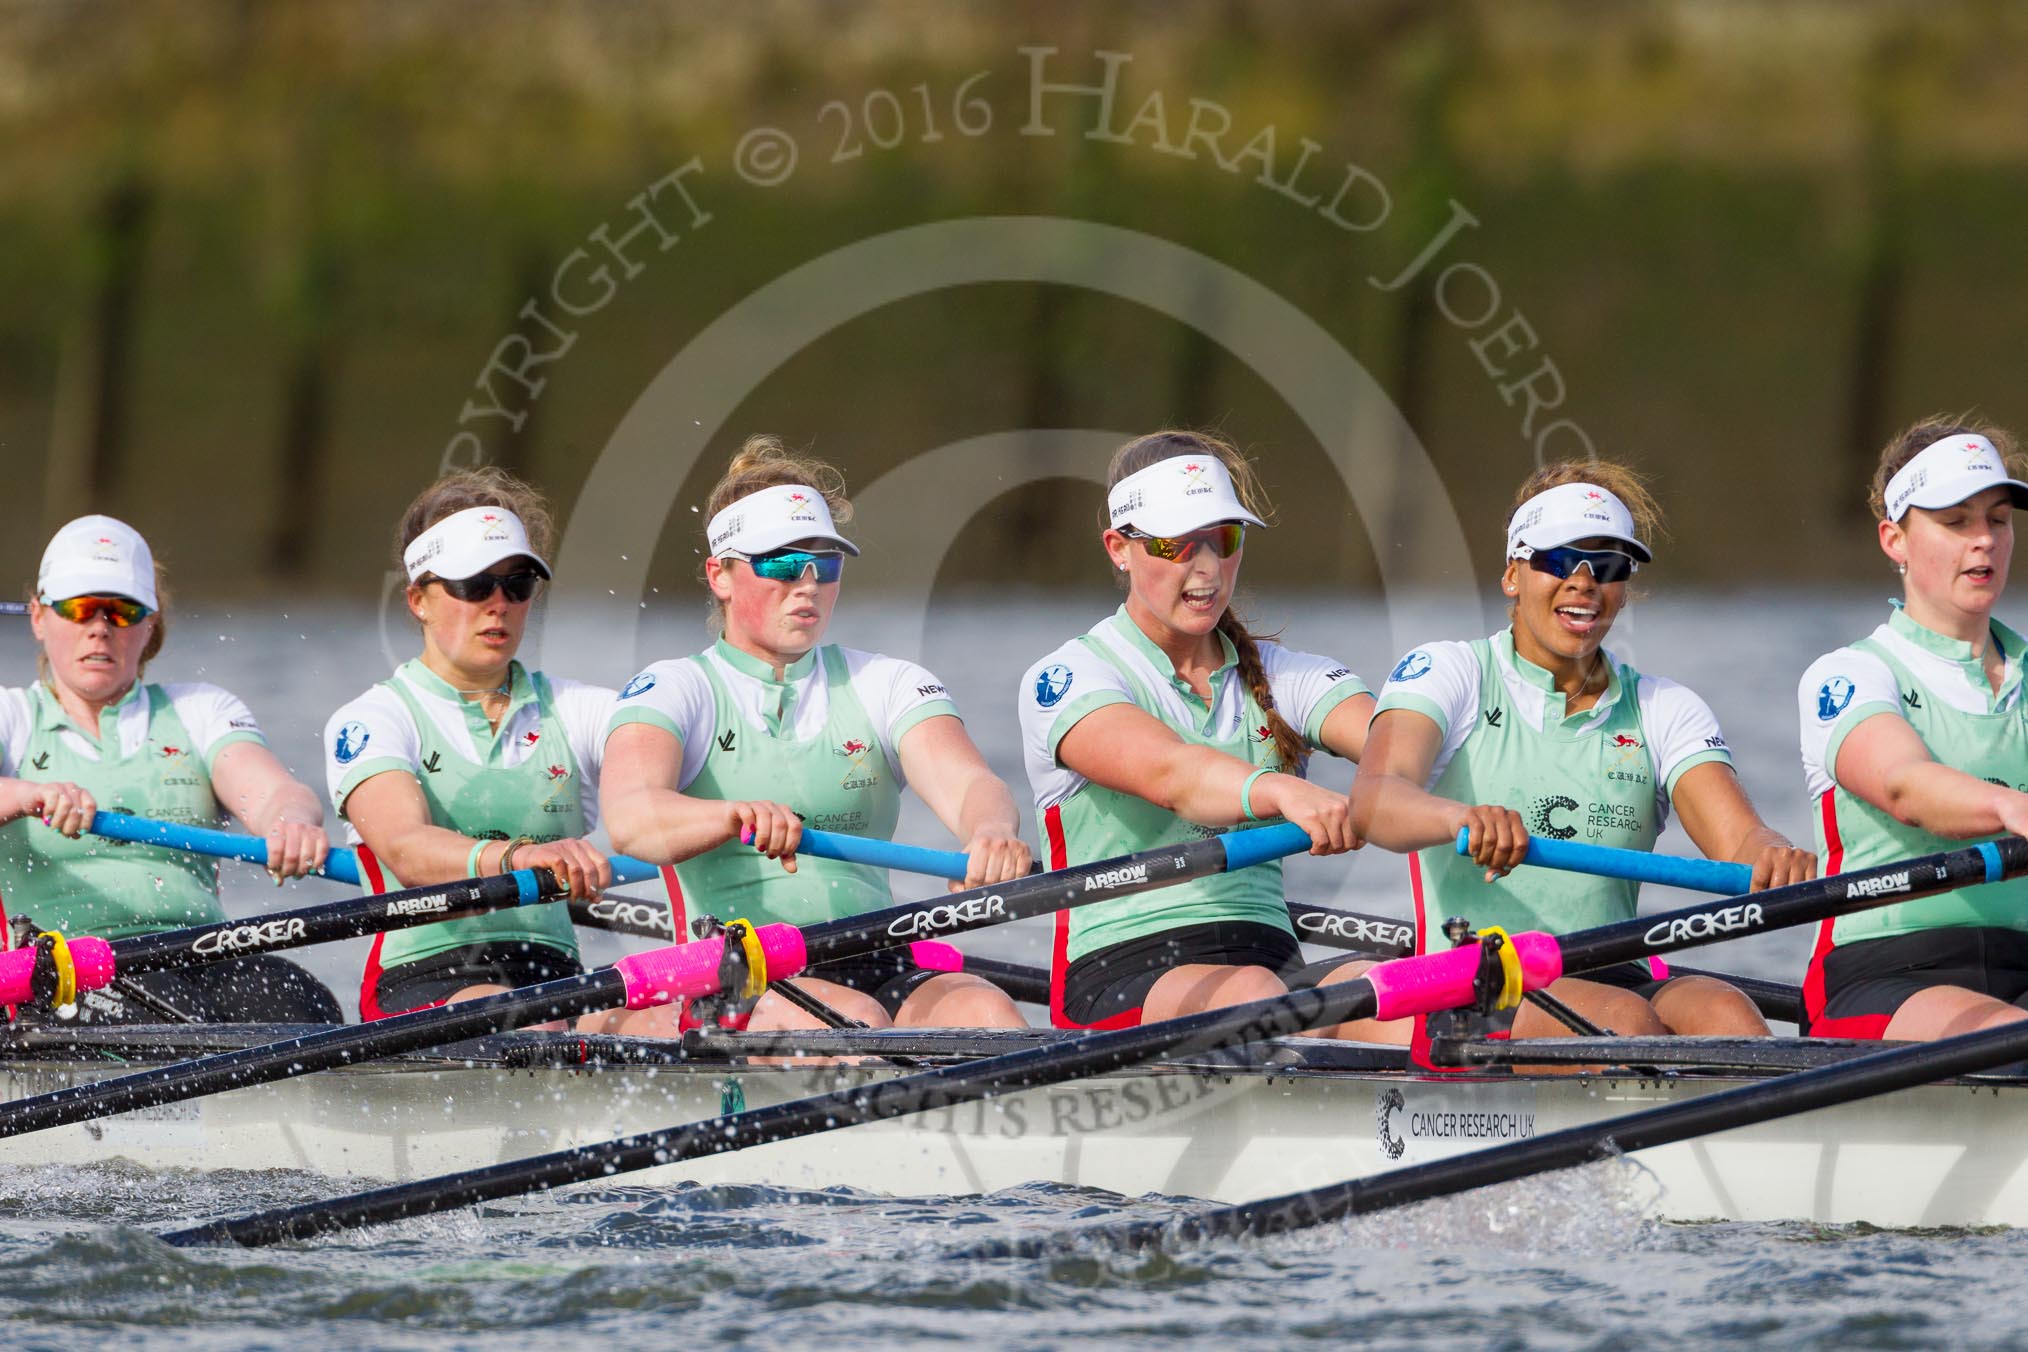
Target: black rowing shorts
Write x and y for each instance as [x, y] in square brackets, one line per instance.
[257, 988]
[1853, 990]
[1111, 984]
[435, 979]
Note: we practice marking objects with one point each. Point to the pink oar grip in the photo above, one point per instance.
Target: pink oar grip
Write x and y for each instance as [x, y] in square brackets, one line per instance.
[91, 959]
[1434, 981]
[932, 956]
[686, 971]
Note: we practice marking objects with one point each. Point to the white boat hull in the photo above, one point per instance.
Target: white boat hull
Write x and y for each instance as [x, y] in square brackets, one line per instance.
[1948, 1155]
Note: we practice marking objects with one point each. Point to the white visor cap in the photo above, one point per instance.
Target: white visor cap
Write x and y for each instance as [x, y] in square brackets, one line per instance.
[467, 543]
[1176, 496]
[1571, 512]
[1945, 473]
[769, 518]
[97, 556]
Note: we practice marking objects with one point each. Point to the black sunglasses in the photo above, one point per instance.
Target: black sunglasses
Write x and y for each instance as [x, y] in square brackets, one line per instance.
[517, 586]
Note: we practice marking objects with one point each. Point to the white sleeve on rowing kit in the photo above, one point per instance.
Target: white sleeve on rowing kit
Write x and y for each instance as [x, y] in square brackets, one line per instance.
[1441, 682]
[674, 696]
[897, 694]
[1840, 691]
[1682, 734]
[1307, 687]
[17, 720]
[1053, 695]
[214, 718]
[585, 711]
[373, 734]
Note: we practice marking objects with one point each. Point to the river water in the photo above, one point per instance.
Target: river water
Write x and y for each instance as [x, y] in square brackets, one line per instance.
[1564, 1261]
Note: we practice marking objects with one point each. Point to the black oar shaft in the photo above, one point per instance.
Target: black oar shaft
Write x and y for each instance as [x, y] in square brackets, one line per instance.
[341, 1046]
[347, 919]
[1781, 908]
[1098, 1053]
[1049, 1063]
[1037, 894]
[1798, 1092]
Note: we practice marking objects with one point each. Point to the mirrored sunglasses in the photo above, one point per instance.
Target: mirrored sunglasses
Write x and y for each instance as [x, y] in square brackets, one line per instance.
[789, 565]
[84, 609]
[1223, 540]
[1607, 565]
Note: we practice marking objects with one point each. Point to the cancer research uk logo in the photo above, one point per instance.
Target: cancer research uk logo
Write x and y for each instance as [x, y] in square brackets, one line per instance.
[640, 685]
[1412, 666]
[1832, 697]
[352, 740]
[1052, 683]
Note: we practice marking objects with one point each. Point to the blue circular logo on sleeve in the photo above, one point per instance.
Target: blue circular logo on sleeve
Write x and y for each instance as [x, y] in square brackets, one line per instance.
[1408, 668]
[1832, 697]
[352, 740]
[1052, 683]
[640, 685]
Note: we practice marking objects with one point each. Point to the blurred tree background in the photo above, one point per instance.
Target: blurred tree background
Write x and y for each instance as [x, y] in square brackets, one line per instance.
[256, 255]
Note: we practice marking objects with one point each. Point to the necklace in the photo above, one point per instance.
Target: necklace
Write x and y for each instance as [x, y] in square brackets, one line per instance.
[499, 689]
[1597, 669]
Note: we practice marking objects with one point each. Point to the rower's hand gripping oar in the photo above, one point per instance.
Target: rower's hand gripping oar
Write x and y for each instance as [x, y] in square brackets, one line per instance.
[1639, 866]
[1390, 990]
[341, 863]
[741, 961]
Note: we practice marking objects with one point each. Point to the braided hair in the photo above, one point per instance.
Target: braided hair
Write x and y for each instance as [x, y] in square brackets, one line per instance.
[1155, 447]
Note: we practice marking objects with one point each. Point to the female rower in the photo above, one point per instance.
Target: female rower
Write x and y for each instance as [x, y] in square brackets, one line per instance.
[771, 726]
[1167, 721]
[92, 736]
[464, 763]
[1541, 729]
[1915, 740]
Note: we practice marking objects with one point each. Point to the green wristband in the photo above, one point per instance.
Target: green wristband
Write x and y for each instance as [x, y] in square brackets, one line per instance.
[472, 859]
[1246, 793]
